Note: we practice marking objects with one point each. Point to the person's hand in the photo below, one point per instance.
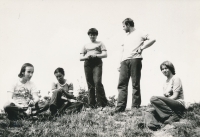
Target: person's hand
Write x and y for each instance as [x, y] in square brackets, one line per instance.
[47, 97]
[61, 90]
[75, 98]
[168, 94]
[31, 103]
[139, 50]
[93, 56]
[87, 56]
[119, 68]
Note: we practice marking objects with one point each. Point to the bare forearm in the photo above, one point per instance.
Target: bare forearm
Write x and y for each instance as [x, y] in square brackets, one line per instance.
[148, 44]
[103, 55]
[35, 99]
[68, 95]
[83, 58]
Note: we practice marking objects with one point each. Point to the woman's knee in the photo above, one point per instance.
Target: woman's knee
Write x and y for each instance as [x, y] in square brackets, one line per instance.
[153, 99]
[7, 105]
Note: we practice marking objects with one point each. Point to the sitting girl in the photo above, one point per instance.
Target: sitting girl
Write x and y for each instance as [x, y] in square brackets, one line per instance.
[22, 94]
[170, 107]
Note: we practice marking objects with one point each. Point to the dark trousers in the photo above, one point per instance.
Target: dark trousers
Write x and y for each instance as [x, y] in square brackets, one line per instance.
[166, 107]
[59, 105]
[93, 74]
[129, 68]
[56, 99]
[14, 112]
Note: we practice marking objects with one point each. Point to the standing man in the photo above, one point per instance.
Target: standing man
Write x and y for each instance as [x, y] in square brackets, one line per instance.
[131, 64]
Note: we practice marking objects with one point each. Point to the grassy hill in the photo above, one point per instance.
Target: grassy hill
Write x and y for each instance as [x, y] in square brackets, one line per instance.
[98, 123]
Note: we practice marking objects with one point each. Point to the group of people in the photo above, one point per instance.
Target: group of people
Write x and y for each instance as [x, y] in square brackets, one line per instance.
[169, 107]
[23, 95]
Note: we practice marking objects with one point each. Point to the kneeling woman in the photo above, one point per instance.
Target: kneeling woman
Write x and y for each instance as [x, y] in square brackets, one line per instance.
[170, 107]
[22, 94]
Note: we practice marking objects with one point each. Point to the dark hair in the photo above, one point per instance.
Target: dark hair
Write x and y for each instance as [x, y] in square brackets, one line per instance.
[93, 31]
[60, 70]
[23, 69]
[169, 65]
[128, 21]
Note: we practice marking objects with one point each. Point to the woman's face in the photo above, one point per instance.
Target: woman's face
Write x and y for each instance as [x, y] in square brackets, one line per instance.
[59, 76]
[27, 75]
[93, 37]
[165, 71]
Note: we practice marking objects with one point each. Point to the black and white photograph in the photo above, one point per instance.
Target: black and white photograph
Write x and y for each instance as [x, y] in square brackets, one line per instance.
[99, 68]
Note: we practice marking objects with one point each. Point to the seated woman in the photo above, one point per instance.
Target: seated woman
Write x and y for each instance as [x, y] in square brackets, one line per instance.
[22, 94]
[170, 107]
[61, 95]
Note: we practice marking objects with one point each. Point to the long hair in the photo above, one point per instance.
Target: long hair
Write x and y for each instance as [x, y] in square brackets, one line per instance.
[23, 69]
[169, 65]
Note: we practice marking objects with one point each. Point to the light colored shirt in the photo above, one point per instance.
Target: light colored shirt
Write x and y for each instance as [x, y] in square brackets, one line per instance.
[66, 86]
[175, 85]
[93, 48]
[23, 93]
[131, 44]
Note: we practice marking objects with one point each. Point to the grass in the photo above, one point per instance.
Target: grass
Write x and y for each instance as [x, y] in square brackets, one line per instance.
[99, 123]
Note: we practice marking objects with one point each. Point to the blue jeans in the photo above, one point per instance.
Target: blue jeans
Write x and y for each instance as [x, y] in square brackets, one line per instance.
[166, 107]
[93, 74]
[129, 68]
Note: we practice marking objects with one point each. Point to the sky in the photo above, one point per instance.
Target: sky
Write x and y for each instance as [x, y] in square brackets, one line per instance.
[50, 34]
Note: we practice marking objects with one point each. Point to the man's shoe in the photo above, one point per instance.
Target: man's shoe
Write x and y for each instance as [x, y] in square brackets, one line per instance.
[171, 119]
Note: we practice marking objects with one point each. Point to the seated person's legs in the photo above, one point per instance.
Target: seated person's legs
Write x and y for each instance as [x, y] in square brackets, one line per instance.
[40, 109]
[14, 112]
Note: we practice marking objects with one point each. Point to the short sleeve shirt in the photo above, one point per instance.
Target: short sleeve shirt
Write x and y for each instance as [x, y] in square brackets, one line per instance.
[66, 86]
[175, 85]
[91, 48]
[132, 42]
[23, 93]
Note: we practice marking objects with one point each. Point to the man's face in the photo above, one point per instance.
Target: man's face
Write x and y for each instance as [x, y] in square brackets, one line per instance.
[59, 76]
[28, 73]
[93, 37]
[126, 28]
